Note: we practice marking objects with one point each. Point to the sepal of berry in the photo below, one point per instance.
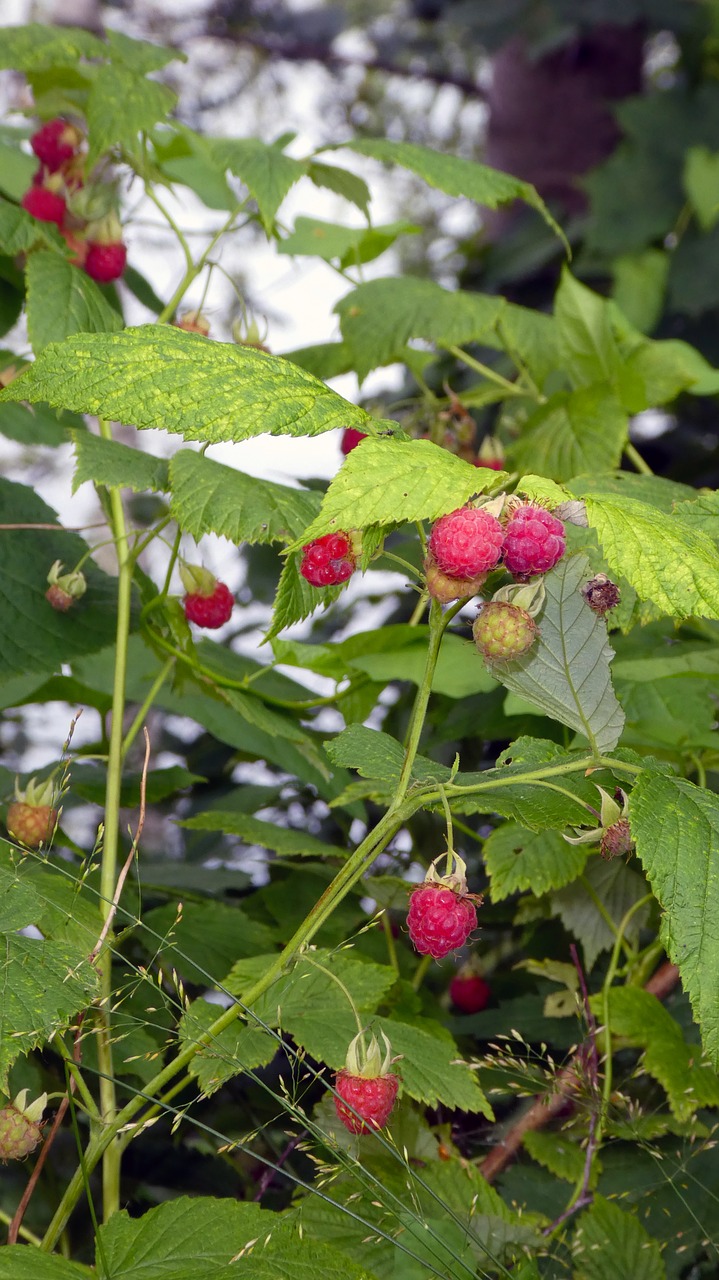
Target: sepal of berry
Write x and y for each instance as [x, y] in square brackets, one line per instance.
[445, 589]
[20, 1126]
[64, 588]
[442, 914]
[331, 559]
[503, 632]
[613, 834]
[601, 594]
[534, 540]
[469, 991]
[193, 322]
[248, 334]
[32, 816]
[208, 602]
[366, 1085]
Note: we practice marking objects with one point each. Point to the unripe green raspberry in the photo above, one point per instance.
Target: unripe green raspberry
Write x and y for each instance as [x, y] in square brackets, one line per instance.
[20, 1128]
[503, 631]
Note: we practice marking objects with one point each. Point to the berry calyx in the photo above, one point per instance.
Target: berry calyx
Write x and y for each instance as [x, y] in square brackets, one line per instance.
[45, 205]
[55, 143]
[442, 913]
[208, 602]
[466, 542]
[469, 991]
[328, 560]
[193, 322]
[351, 437]
[32, 816]
[445, 589]
[64, 588]
[601, 594]
[534, 541]
[20, 1126]
[503, 631]
[105, 262]
[366, 1085]
[613, 834]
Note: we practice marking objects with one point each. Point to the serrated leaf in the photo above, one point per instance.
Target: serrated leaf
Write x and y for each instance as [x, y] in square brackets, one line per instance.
[77, 304]
[265, 170]
[122, 105]
[349, 245]
[556, 1153]
[19, 232]
[40, 425]
[160, 376]
[517, 859]
[209, 497]
[202, 940]
[575, 433]
[588, 350]
[142, 55]
[323, 360]
[376, 755]
[183, 1239]
[663, 559]
[619, 888]
[240, 1047]
[393, 482]
[701, 183]
[566, 673]
[43, 984]
[379, 318]
[342, 181]
[612, 1244]
[19, 904]
[17, 1262]
[455, 175]
[296, 599]
[117, 465]
[36, 45]
[282, 840]
[676, 829]
[16, 171]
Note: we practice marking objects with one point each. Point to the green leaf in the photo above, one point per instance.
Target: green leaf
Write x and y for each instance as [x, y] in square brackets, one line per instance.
[349, 245]
[160, 376]
[296, 599]
[34, 426]
[117, 465]
[183, 1239]
[296, 1258]
[33, 637]
[563, 1159]
[676, 829]
[202, 940]
[286, 842]
[209, 497]
[639, 1017]
[16, 170]
[19, 232]
[613, 1245]
[640, 282]
[376, 755]
[566, 673]
[573, 434]
[342, 182]
[43, 985]
[36, 45]
[77, 304]
[18, 1262]
[265, 170]
[455, 175]
[141, 55]
[659, 555]
[588, 351]
[394, 482]
[379, 318]
[517, 859]
[19, 904]
[618, 887]
[122, 105]
[239, 1048]
[701, 183]
[323, 360]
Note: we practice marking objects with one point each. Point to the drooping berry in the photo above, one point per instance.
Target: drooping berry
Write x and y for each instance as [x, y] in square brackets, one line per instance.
[105, 262]
[441, 912]
[366, 1085]
[445, 589]
[466, 542]
[613, 834]
[64, 588]
[616, 839]
[208, 603]
[54, 143]
[503, 632]
[328, 560]
[534, 541]
[601, 594]
[20, 1127]
[351, 437]
[33, 816]
[45, 205]
[469, 992]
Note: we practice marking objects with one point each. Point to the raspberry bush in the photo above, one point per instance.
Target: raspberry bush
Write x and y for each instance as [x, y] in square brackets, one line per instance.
[222, 870]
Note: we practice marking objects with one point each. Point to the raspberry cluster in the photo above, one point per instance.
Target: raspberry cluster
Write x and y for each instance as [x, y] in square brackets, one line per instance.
[471, 541]
[62, 193]
[329, 560]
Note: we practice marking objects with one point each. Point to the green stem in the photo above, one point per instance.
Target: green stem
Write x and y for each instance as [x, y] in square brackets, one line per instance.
[511, 388]
[76, 1074]
[611, 975]
[637, 460]
[23, 1231]
[194, 269]
[152, 693]
[438, 622]
[328, 973]
[171, 223]
[420, 972]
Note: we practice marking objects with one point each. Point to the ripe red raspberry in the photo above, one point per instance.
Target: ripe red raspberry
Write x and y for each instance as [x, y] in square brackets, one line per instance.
[503, 632]
[445, 589]
[439, 919]
[30, 824]
[20, 1130]
[54, 143]
[105, 262]
[44, 205]
[366, 1084]
[328, 560]
[467, 542]
[351, 437]
[534, 541]
[469, 992]
[211, 611]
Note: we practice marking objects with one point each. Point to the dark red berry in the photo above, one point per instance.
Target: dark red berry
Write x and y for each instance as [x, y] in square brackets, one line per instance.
[351, 437]
[105, 262]
[44, 205]
[328, 560]
[211, 611]
[466, 542]
[372, 1098]
[616, 839]
[601, 594]
[54, 143]
[439, 919]
[534, 541]
[469, 992]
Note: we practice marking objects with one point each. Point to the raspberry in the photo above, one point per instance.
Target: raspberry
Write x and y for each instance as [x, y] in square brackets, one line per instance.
[60, 600]
[601, 594]
[64, 588]
[20, 1130]
[211, 611]
[467, 542]
[469, 992]
[439, 919]
[31, 825]
[503, 631]
[44, 205]
[105, 262]
[534, 541]
[445, 589]
[373, 1099]
[351, 437]
[54, 143]
[616, 839]
[328, 560]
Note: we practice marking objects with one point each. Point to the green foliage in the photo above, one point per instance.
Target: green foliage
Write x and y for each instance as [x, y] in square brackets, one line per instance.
[518, 860]
[612, 1242]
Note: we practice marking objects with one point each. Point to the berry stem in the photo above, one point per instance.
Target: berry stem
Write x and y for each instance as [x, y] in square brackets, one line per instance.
[328, 973]
[637, 460]
[611, 975]
[152, 693]
[491, 375]
[438, 623]
[450, 833]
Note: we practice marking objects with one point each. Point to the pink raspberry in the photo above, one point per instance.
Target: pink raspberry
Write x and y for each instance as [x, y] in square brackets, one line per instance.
[534, 541]
[212, 610]
[328, 560]
[44, 205]
[469, 992]
[105, 262]
[54, 143]
[466, 542]
[373, 1098]
[351, 437]
[439, 919]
